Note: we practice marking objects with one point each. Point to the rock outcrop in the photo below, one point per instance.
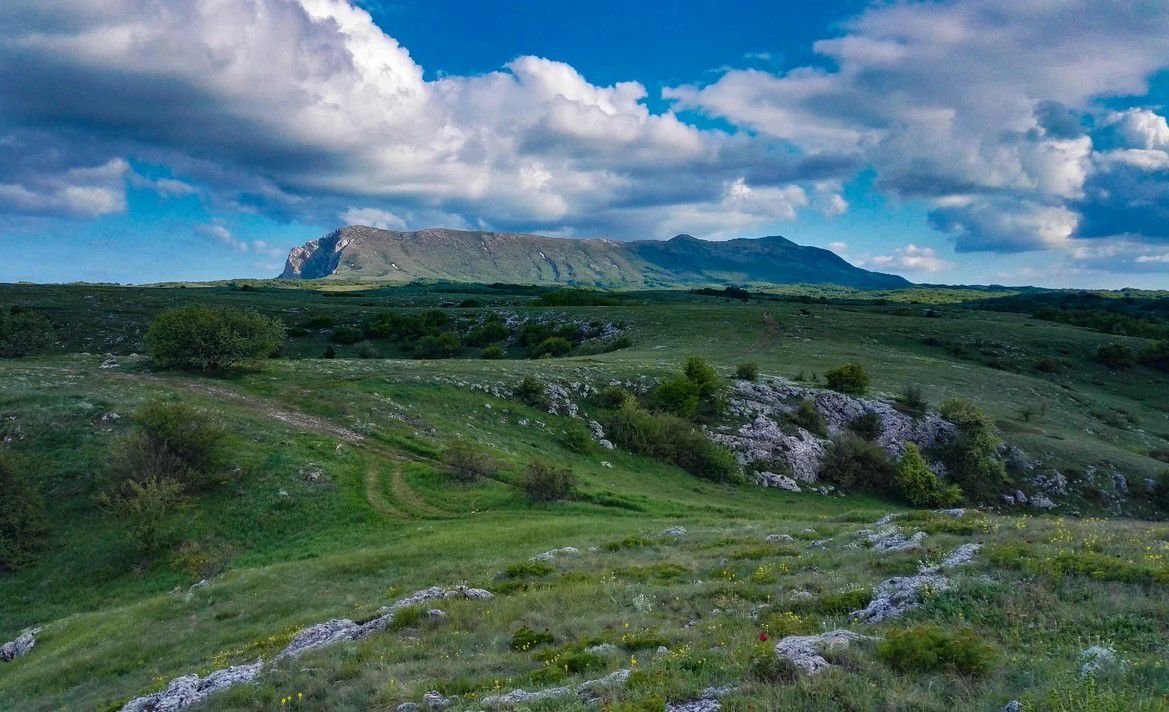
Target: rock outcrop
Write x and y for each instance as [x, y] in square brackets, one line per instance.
[22, 645]
[806, 651]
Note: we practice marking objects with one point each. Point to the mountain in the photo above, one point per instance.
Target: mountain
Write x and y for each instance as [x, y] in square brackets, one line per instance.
[366, 253]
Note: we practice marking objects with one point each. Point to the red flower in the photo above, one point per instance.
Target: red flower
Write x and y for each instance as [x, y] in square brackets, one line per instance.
[763, 637]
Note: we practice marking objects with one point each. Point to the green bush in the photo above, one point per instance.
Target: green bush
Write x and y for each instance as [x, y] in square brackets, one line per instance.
[544, 481]
[851, 378]
[770, 669]
[525, 639]
[710, 386]
[868, 425]
[346, 335]
[809, 418]
[24, 530]
[855, 464]
[468, 462]
[173, 442]
[23, 332]
[435, 347]
[206, 338]
[143, 508]
[912, 399]
[972, 459]
[677, 396]
[1159, 496]
[838, 603]
[554, 346]
[492, 351]
[918, 484]
[531, 391]
[671, 439]
[1156, 356]
[1116, 356]
[747, 371]
[577, 438]
[528, 569]
[929, 648]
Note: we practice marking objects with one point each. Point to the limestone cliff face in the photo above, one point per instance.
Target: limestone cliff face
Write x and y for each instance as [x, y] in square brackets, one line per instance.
[365, 253]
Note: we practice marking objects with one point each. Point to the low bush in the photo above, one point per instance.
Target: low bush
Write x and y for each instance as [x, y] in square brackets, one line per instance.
[912, 399]
[206, 338]
[492, 351]
[577, 438]
[677, 396]
[1159, 496]
[524, 639]
[972, 458]
[669, 438]
[855, 464]
[838, 603]
[808, 417]
[531, 391]
[851, 378]
[747, 371]
[23, 332]
[24, 529]
[467, 462]
[346, 335]
[172, 442]
[143, 508]
[438, 347]
[770, 669]
[528, 569]
[1116, 356]
[868, 425]
[544, 481]
[918, 484]
[929, 648]
[1156, 356]
[552, 346]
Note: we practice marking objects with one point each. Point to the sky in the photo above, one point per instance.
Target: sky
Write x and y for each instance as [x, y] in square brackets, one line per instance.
[975, 142]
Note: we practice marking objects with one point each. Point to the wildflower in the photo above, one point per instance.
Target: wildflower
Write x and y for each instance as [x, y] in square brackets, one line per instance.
[763, 637]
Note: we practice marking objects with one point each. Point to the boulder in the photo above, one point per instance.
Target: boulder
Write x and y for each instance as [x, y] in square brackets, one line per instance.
[783, 482]
[805, 651]
[189, 690]
[22, 645]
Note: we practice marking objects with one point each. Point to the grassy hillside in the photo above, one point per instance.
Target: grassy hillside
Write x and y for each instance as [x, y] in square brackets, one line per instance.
[336, 503]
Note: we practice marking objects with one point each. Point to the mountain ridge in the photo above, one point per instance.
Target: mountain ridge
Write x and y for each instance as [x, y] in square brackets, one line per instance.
[365, 253]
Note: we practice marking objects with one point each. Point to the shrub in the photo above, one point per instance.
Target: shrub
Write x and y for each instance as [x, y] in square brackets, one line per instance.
[838, 603]
[851, 378]
[544, 481]
[1050, 364]
[913, 400]
[929, 647]
[440, 346]
[173, 442]
[747, 371]
[853, 463]
[206, 338]
[1116, 356]
[346, 335]
[553, 346]
[1159, 495]
[492, 351]
[809, 418]
[1156, 356]
[24, 530]
[677, 396]
[528, 569]
[770, 669]
[531, 391]
[23, 332]
[468, 462]
[487, 333]
[330, 352]
[669, 438]
[613, 397]
[702, 375]
[143, 507]
[972, 458]
[918, 484]
[577, 438]
[525, 639]
[868, 425]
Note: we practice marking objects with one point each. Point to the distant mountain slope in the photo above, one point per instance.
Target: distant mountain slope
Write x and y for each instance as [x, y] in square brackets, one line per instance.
[359, 252]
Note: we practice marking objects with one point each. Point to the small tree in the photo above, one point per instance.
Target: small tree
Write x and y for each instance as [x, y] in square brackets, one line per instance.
[809, 418]
[206, 338]
[703, 375]
[678, 396]
[851, 378]
[24, 530]
[531, 391]
[1116, 356]
[857, 464]
[972, 458]
[544, 481]
[918, 484]
[174, 442]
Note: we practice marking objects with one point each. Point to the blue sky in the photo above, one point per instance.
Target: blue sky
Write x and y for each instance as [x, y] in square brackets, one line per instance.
[987, 141]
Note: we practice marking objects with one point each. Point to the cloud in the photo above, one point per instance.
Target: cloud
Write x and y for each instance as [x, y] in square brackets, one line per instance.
[373, 217]
[984, 109]
[909, 258]
[305, 109]
[221, 234]
[838, 247]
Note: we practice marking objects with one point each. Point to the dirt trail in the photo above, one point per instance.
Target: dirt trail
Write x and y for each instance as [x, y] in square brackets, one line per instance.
[771, 333]
[407, 503]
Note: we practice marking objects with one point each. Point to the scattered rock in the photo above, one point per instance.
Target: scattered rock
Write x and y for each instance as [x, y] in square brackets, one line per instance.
[602, 649]
[779, 538]
[783, 482]
[436, 615]
[1121, 482]
[1098, 659]
[1053, 484]
[674, 531]
[1041, 502]
[700, 705]
[22, 645]
[549, 555]
[956, 512]
[109, 363]
[110, 417]
[1020, 498]
[408, 707]
[588, 690]
[890, 538]
[893, 597]
[804, 651]
[962, 556]
[1012, 706]
[189, 690]
[434, 700]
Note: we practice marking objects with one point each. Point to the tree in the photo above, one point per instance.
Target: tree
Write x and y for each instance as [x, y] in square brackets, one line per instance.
[24, 529]
[854, 463]
[173, 441]
[851, 378]
[206, 338]
[677, 396]
[144, 508]
[544, 481]
[972, 458]
[918, 484]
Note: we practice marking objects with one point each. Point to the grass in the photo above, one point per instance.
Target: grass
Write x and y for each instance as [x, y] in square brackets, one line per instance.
[312, 526]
